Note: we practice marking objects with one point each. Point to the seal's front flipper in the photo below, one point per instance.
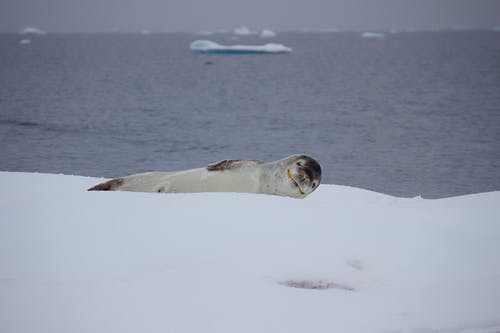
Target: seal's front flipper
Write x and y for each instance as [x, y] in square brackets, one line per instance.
[110, 185]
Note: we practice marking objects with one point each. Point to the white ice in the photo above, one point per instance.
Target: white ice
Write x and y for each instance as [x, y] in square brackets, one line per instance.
[341, 260]
[207, 46]
[32, 31]
[25, 41]
[204, 33]
[372, 35]
[243, 30]
[265, 33]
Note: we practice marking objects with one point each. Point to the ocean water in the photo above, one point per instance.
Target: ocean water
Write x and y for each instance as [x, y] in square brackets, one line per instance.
[411, 114]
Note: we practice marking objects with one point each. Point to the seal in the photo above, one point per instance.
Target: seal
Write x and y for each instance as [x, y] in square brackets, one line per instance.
[295, 176]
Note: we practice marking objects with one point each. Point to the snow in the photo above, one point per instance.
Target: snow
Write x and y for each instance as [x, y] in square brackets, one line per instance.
[341, 260]
[372, 35]
[32, 31]
[265, 33]
[207, 46]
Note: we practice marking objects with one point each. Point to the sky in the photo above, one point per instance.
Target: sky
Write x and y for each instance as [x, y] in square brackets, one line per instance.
[195, 15]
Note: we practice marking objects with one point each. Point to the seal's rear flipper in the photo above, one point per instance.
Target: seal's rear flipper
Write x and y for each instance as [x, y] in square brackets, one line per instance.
[110, 185]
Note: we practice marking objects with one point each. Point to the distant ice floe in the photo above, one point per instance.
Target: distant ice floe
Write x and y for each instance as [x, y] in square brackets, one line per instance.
[243, 31]
[321, 30]
[372, 35]
[25, 41]
[265, 33]
[32, 31]
[204, 33]
[207, 46]
[145, 32]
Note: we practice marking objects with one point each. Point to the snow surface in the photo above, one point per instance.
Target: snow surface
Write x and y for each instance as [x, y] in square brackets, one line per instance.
[341, 260]
[208, 46]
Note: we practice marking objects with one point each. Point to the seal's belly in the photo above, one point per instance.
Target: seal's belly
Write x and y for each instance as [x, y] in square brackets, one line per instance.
[201, 180]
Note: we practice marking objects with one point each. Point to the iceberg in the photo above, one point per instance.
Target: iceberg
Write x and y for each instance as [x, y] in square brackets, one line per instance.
[372, 35]
[79, 261]
[32, 31]
[25, 41]
[207, 46]
[243, 30]
[267, 33]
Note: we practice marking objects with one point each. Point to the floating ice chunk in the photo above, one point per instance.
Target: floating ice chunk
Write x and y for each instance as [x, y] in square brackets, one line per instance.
[243, 30]
[25, 41]
[207, 46]
[32, 30]
[267, 33]
[372, 35]
[204, 33]
[496, 29]
[145, 32]
[321, 30]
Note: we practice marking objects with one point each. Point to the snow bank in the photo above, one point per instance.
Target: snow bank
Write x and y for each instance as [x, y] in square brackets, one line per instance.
[341, 260]
[32, 31]
[207, 46]
[372, 35]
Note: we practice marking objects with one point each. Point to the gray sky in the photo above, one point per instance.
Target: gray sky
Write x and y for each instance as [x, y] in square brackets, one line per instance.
[194, 15]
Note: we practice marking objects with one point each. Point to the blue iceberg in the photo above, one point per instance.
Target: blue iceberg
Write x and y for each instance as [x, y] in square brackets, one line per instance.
[207, 46]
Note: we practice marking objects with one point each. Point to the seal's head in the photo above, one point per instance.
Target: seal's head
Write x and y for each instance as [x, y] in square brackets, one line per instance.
[302, 175]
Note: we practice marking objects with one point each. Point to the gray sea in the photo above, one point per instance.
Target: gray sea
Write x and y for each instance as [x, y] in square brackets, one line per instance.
[414, 113]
